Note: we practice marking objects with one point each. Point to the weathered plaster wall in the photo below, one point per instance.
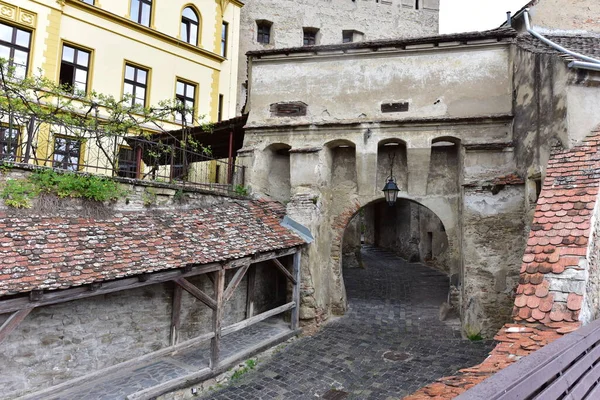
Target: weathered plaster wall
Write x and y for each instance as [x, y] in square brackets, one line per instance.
[386, 155]
[458, 130]
[448, 82]
[351, 243]
[493, 244]
[540, 82]
[583, 102]
[574, 15]
[376, 20]
[590, 309]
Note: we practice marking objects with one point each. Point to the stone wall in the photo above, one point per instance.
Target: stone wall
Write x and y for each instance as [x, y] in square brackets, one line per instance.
[442, 83]
[579, 16]
[454, 144]
[64, 341]
[374, 19]
[61, 342]
[590, 309]
[494, 238]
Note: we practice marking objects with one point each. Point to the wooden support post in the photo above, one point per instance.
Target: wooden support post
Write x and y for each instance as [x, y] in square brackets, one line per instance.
[12, 322]
[176, 314]
[215, 344]
[283, 269]
[237, 279]
[197, 293]
[250, 292]
[296, 291]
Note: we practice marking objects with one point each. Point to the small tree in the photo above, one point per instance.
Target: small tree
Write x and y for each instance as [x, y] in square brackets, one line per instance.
[32, 103]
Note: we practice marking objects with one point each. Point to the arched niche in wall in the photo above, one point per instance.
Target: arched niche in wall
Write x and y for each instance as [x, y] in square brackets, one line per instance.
[277, 172]
[444, 166]
[391, 157]
[342, 156]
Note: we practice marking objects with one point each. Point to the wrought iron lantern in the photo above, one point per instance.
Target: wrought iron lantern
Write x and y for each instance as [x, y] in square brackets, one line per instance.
[390, 190]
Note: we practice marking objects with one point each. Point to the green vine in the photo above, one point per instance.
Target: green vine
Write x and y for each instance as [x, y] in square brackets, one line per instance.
[19, 193]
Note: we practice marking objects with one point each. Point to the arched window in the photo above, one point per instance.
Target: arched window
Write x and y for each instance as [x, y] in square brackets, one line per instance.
[189, 26]
[141, 11]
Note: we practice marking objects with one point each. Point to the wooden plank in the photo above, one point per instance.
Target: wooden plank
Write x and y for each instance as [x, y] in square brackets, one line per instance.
[257, 318]
[588, 379]
[61, 296]
[284, 270]
[12, 322]
[197, 293]
[575, 371]
[273, 254]
[525, 378]
[235, 282]
[176, 315]
[250, 291]
[295, 320]
[215, 345]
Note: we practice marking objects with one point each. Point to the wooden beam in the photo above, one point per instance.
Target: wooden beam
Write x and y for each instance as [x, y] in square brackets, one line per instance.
[61, 296]
[273, 254]
[284, 270]
[215, 344]
[240, 262]
[257, 318]
[295, 320]
[36, 295]
[197, 293]
[176, 315]
[250, 291]
[12, 322]
[235, 282]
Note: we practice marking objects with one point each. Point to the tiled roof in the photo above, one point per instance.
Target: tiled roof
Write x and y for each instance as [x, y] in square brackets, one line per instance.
[57, 252]
[586, 45]
[552, 281]
[463, 37]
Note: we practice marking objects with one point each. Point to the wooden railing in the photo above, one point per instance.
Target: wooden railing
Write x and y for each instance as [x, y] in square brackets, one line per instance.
[568, 368]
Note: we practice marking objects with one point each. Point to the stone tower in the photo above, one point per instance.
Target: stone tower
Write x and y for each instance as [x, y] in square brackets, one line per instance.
[268, 24]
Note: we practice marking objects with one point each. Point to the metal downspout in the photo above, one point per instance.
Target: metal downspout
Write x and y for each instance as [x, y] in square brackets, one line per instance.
[592, 63]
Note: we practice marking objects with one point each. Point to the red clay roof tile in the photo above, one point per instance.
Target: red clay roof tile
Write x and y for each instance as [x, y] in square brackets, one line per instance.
[52, 252]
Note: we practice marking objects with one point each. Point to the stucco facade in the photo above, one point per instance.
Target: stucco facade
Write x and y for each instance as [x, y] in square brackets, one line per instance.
[556, 15]
[360, 20]
[113, 38]
[475, 118]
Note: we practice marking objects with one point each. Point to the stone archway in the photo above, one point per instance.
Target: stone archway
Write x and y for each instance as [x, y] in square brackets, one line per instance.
[435, 238]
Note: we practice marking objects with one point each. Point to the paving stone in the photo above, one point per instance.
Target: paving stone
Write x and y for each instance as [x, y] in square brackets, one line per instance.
[393, 306]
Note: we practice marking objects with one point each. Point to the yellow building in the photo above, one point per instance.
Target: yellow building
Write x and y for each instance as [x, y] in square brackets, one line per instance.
[152, 49]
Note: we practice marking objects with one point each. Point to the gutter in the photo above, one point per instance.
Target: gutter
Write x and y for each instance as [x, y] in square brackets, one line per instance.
[587, 63]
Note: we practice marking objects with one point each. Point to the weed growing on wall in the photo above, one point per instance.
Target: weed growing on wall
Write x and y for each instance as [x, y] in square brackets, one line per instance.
[19, 193]
[241, 190]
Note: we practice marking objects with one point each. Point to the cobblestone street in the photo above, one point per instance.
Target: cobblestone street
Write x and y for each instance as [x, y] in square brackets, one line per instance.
[393, 307]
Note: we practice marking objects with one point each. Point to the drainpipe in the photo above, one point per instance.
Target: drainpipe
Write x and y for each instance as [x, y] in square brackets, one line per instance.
[576, 64]
[584, 65]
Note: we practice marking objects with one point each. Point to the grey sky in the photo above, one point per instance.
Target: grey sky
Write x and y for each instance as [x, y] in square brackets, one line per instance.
[475, 15]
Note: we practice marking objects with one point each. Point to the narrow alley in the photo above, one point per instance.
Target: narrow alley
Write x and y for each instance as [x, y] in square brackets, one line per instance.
[389, 344]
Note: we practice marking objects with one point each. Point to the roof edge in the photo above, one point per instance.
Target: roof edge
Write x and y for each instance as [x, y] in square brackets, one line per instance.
[499, 33]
